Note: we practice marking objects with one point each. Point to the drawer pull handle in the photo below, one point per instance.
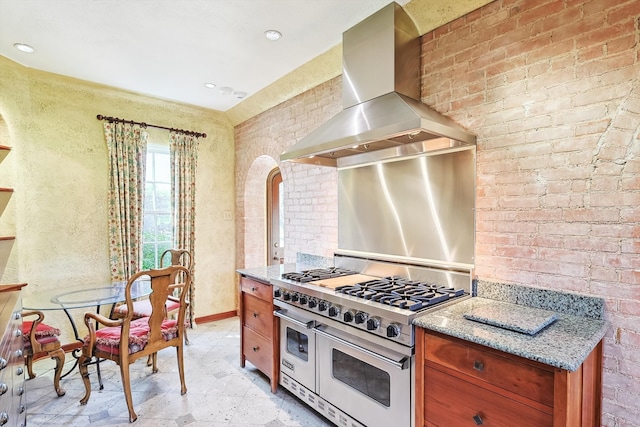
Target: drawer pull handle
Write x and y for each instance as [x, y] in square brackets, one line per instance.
[4, 418]
[3, 388]
[253, 289]
[3, 363]
[478, 420]
[256, 348]
[478, 366]
[255, 314]
[19, 371]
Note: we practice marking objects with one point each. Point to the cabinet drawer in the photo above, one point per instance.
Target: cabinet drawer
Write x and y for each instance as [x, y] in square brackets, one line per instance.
[526, 380]
[258, 289]
[451, 401]
[257, 350]
[257, 315]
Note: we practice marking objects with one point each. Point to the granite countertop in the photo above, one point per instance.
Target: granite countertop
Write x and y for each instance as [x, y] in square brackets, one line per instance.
[269, 272]
[564, 343]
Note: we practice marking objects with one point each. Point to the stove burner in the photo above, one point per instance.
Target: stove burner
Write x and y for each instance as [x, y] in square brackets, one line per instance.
[317, 274]
[400, 292]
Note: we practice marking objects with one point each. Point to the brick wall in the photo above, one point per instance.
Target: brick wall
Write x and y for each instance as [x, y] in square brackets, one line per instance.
[551, 88]
[310, 192]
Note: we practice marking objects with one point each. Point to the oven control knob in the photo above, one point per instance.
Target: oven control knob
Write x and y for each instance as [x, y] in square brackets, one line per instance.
[361, 317]
[373, 323]
[295, 297]
[303, 299]
[323, 305]
[312, 302]
[393, 330]
[277, 293]
[334, 311]
[286, 296]
[348, 315]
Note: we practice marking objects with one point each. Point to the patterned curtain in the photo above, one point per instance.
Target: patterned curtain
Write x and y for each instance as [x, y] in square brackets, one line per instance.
[184, 160]
[127, 146]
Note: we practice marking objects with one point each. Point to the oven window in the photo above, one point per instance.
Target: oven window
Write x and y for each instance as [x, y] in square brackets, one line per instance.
[298, 344]
[367, 379]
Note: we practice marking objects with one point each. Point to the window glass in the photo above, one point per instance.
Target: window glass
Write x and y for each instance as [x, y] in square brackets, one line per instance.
[157, 225]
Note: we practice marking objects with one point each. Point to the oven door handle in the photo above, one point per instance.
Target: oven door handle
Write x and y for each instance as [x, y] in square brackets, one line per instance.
[280, 314]
[402, 364]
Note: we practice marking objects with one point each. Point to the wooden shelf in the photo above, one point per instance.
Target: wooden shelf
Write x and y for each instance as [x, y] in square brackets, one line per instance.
[7, 238]
[5, 147]
[6, 190]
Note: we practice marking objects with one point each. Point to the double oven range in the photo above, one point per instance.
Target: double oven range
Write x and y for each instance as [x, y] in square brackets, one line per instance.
[347, 340]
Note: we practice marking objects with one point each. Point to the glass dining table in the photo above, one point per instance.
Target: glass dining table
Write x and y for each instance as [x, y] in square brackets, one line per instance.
[87, 296]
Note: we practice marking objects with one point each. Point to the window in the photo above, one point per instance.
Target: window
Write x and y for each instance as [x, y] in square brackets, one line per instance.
[157, 227]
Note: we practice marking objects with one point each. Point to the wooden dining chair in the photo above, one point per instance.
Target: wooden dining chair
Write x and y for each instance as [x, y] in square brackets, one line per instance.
[40, 338]
[128, 339]
[142, 308]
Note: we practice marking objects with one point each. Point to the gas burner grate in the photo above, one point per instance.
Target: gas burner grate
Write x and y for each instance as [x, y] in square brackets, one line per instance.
[400, 292]
[317, 274]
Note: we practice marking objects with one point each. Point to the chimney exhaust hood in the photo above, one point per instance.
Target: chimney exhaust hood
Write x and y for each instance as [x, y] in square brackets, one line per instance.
[382, 116]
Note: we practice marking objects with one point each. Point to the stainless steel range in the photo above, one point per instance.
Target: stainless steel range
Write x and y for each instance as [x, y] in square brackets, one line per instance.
[346, 340]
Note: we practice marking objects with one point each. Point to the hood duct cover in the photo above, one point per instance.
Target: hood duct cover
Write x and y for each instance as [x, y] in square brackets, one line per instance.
[382, 117]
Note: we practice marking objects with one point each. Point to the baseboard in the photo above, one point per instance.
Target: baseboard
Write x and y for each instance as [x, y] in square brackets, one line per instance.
[214, 317]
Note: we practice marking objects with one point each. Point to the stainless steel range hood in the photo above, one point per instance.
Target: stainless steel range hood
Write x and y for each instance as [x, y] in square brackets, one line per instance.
[382, 117]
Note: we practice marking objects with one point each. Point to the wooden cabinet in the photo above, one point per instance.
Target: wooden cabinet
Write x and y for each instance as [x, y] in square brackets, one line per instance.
[12, 405]
[259, 332]
[459, 383]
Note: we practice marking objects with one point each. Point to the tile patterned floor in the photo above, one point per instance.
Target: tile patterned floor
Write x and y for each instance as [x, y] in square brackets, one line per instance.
[220, 392]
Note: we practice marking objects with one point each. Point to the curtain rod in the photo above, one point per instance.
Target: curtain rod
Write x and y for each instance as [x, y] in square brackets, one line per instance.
[144, 125]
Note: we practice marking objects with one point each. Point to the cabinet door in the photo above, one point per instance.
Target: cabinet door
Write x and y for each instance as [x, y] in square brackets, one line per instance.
[255, 288]
[257, 315]
[531, 382]
[450, 401]
[258, 350]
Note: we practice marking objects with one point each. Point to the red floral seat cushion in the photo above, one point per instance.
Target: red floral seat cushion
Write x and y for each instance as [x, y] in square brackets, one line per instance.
[44, 333]
[142, 308]
[108, 339]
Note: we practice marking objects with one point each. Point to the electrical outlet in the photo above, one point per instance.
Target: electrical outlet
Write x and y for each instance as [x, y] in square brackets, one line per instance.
[226, 215]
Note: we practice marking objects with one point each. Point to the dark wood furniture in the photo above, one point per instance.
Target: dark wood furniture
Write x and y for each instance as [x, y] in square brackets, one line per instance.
[459, 383]
[126, 340]
[259, 328]
[12, 407]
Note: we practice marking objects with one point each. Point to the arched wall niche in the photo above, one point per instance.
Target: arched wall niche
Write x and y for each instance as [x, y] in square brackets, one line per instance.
[255, 213]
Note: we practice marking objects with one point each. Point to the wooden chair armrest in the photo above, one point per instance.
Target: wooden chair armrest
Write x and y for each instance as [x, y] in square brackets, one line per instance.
[87, 348]
[101, 319]
[35, 345]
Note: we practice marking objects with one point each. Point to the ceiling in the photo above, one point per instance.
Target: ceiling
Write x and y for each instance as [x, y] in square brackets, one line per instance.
[169, 48]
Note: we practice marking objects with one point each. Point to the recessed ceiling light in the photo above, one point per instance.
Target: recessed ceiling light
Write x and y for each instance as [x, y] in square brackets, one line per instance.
[239, 94]
[24, 47]
[225, 90]
[273, 35]
[209, 85]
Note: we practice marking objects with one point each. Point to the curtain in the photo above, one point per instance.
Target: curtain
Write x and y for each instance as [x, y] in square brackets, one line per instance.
[184, 159]
[127, 146]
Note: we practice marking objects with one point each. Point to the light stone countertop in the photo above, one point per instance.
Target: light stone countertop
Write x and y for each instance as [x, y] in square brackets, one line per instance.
[269, 272]
[564, 344]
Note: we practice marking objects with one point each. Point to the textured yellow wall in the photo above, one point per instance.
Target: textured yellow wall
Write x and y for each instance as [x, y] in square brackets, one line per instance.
[58, 166]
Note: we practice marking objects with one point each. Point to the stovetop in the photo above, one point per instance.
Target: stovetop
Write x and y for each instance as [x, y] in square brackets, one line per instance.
[317, 274]
[400, 292]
